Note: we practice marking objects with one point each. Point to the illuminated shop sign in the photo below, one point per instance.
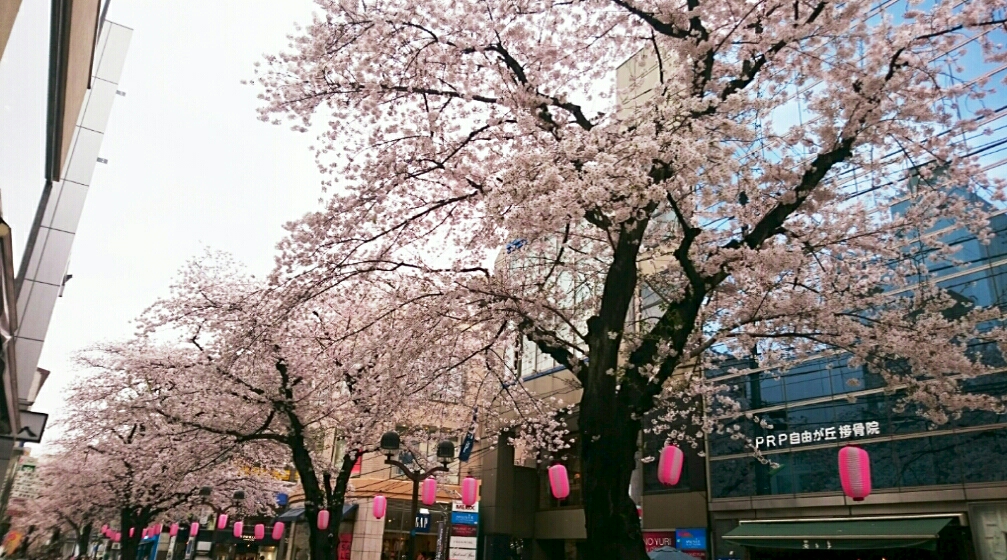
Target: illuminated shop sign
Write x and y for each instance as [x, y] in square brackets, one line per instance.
[831, 433]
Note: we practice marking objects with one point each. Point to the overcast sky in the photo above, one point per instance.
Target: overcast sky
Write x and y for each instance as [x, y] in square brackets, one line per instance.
[189, 165]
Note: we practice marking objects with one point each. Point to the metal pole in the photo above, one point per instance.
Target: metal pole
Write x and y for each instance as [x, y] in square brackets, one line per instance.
[415, 509]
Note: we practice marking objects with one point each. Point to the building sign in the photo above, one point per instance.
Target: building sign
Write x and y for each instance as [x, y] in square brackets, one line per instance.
[656, 539]
[463, 542]
[464, 518]
[423, 522]
[462, 554]
[464, 530]
[32, 426]
[821, 435]
[345, 545]
[690, 539]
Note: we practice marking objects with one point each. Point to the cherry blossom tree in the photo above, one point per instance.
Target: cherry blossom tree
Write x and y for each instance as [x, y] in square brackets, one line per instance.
[452, 129]
[63, 501]
[230, 356]
[119, 464]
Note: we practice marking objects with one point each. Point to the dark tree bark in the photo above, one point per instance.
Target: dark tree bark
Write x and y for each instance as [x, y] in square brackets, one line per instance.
[83, 538]
[608, 426]
[135, 519]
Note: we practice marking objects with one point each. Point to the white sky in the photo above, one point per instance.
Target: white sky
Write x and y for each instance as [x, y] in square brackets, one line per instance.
[189, 165]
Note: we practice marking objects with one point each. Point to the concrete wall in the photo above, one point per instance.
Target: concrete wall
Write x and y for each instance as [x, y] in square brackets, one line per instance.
[674, 511]
[368, 533]
[509, 494]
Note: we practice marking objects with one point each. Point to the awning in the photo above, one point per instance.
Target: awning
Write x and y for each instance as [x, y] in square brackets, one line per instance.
[297, 513]
[840, 535]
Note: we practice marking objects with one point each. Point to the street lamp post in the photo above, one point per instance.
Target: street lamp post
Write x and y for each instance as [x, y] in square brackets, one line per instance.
[236, 499]
[445, 454]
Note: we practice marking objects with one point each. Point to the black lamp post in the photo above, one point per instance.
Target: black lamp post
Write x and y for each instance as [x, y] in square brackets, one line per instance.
[445, 454]
[236, 499]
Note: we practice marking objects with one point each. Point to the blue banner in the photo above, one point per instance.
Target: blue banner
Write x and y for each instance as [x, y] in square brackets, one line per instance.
[464, 518]
[690, 539]
[467, 444]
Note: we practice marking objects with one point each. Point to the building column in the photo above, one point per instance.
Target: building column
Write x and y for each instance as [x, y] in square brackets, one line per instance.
[368, 533]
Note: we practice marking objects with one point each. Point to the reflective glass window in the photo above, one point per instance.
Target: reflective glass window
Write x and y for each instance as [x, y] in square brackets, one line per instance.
[928, 461]
[816, 470]
[733, 477]
[983, 456]
[884, 472]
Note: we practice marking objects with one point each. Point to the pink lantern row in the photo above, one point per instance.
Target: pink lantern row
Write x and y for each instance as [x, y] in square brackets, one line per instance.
[470, 495]
[239, 528]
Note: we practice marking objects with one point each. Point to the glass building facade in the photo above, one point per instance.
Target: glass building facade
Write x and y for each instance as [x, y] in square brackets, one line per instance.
[817, 405]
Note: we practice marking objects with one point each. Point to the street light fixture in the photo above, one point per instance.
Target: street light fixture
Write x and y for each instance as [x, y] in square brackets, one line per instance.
[390, 443]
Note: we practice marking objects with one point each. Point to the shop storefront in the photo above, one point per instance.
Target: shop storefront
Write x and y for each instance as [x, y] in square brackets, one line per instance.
[923, 537]
[395, 542]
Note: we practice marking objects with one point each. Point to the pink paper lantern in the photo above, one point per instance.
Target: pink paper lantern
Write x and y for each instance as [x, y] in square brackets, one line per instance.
[380, 506]
[470, 491]
[104, 529]
[239, 528]
[117, 537]
[278, 531]
[669, 467]
[855, 472]
[222, 521]
[558, 482]
[143, 534]
[131, 531]
[193, 529]
[173, 530]
[323, 519]
[260, 532]
[429, 491]
[158, 529]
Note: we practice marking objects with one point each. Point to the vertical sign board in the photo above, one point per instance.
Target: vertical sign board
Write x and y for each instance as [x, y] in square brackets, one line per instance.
[464, 531]
[345, 545]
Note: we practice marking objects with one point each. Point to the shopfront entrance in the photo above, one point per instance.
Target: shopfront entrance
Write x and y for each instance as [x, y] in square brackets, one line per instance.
[923, 538]
[399, 523]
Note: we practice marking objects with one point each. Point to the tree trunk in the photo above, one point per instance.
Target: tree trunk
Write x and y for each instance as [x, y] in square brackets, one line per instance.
[314, 500]
[608, 444]
[608, 425]
[83, 539]
[130, 544]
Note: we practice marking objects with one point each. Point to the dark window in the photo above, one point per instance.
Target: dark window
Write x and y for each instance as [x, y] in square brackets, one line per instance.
[727, 441]
[983, 456]
[884, 473]
[927, 461]
[777, 477]
[816, 470]
[652, 446]
[733, 477]
[570, 458]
